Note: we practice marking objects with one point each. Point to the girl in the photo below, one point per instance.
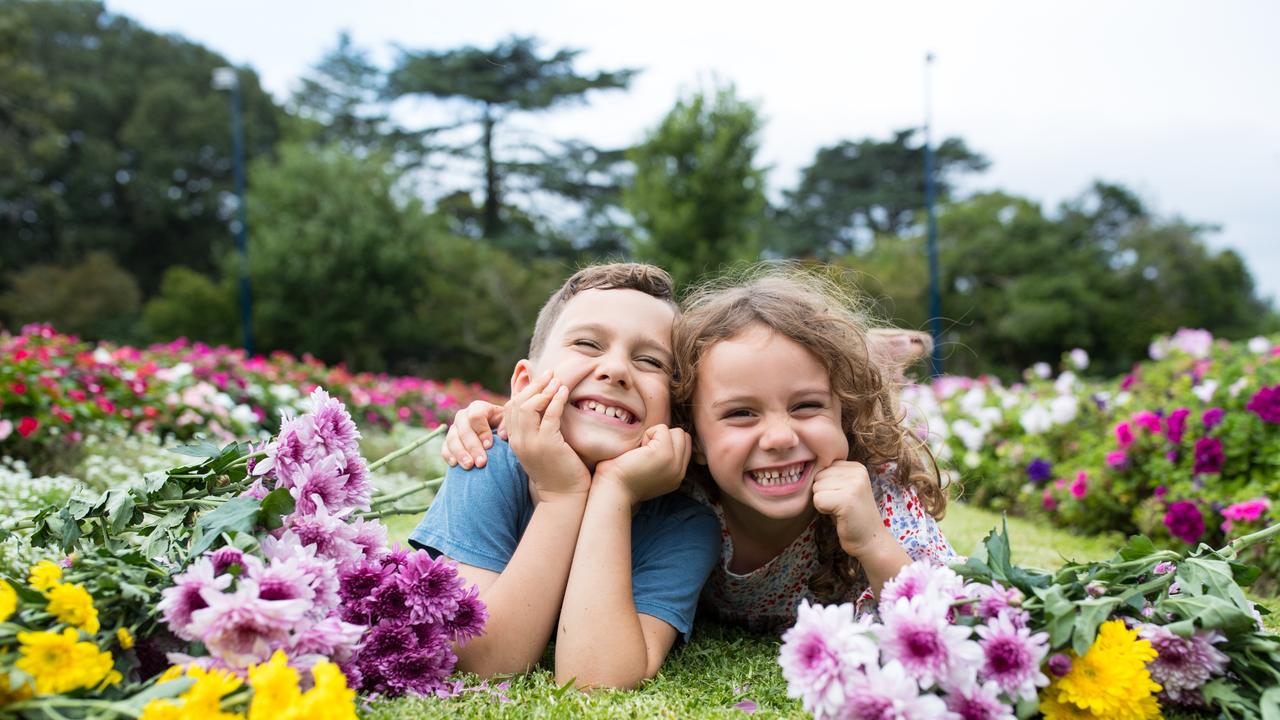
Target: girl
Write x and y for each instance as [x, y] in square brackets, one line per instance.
[820, 492]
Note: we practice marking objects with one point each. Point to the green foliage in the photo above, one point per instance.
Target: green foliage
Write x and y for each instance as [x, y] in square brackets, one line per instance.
[124, 147]
[193, 305]
[855, 192]
[94, 298]
[698, 195]
[509, 78]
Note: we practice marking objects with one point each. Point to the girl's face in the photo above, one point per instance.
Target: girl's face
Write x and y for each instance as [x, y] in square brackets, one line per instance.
[766, 422]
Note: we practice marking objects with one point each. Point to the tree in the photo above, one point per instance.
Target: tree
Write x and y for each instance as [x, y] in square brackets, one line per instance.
[140, 161]
[342, 99]
[698, 196]
[94, 298]
[498, 83]
[857, 191]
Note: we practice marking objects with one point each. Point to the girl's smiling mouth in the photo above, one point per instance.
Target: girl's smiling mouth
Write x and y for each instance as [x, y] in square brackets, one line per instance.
[780, 479]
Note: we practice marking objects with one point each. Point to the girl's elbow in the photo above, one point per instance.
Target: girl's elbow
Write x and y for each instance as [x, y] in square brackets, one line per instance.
[589, 678]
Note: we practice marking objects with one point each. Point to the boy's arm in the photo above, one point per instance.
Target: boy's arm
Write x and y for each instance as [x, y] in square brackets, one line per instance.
[603, 641]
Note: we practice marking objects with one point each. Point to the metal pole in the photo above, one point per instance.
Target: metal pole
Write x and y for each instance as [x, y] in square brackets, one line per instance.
[242, 229]
[935, 298]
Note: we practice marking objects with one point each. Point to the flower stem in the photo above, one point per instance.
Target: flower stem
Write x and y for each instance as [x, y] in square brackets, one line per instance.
[394, 511]
[1235, 546]
[408, 448]
[389, 499]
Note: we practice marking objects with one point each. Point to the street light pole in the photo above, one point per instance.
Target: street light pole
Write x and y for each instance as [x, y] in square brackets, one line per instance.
[225, 78]
[935, 297]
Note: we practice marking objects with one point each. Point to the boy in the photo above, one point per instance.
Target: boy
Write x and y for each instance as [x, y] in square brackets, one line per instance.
[572, 519]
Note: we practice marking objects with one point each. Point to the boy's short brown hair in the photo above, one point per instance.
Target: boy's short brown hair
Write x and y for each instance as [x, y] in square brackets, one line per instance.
[648, 279]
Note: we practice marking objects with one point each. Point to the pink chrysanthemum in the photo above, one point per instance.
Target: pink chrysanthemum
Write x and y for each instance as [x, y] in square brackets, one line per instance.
[1012, 656]
[822, 651]
[330, 638]
[916, 633]
[923, 578]
[890, 693]
[320, 572]
[329, 533]
[186, 596]
[333, 431]
[995, 599]
[1184, 665]
[978, 702]
[241, 628]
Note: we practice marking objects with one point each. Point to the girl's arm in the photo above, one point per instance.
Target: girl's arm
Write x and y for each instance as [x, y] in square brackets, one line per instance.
[844, 492]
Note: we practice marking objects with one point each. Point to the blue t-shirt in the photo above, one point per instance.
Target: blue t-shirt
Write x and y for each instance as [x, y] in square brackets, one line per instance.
[479, 516]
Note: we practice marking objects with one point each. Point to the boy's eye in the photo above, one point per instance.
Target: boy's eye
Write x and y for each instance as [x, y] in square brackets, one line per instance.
[587, 343]
[654, 362]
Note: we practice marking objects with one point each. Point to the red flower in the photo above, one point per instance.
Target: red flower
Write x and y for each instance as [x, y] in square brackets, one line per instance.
[27, 425]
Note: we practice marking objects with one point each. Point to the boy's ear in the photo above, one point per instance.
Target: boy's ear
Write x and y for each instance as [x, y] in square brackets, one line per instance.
[699, 456]
[521, 376]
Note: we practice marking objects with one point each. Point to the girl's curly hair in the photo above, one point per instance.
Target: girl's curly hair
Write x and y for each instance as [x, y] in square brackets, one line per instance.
[813, 310]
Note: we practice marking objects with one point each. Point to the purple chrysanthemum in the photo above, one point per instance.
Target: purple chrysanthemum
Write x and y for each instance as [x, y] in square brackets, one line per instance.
[371, 537]
[1266, 404]
[329, 533]
[330, 638]
[1013, 656]
[356, 586]
[1185, 521]
[822, 651]
[890, 693]
[1039, 470]
[333, 431]
[469, 620]
[432, 587]
[186, 596]
[1059, 664]
[1184, 665]
[978, 702]
[918, 635]
[225, 558]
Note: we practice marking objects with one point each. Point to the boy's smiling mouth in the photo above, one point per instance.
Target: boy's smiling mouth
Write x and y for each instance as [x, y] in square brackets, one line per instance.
[607, 410]
[780, 479]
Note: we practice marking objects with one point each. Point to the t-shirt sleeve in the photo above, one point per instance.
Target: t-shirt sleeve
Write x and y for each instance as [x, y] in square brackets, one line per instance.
[914, 528]
[478, 515]
[673, 551]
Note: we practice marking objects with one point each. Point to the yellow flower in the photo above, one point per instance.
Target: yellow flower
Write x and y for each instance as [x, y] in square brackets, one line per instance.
[275, 688]
[73, 605]
[125, 637]
[330, 699]
[8, 695]
[204, 699]
[161, 710]
[44, 575]
[1109, 681]
[60, 663]
[8, 600]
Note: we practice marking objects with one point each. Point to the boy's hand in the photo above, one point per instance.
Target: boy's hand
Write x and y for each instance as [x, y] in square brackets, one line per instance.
[653, 469]
[533, 423]
[843, 491]
[470, 435]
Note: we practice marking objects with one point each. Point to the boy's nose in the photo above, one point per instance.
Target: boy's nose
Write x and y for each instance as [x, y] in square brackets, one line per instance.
[613, 369]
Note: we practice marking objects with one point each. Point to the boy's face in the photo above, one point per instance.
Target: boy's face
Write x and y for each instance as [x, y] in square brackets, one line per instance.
[612, 349]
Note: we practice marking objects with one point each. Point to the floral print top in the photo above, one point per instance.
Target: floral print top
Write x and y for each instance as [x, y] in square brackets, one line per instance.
[765, 599]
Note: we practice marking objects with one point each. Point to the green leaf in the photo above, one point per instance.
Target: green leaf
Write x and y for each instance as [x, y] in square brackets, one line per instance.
[1269, 704]
[201, 450]
[239, 514]
[169, 689]
[119, 508]
[998, 552]
[1222, 693]
[1206, 611]
[1139, 546]
[1091, 613]
[275, 506]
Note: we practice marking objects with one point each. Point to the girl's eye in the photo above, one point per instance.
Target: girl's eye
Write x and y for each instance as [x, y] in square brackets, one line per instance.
[739, 413]
[810, 406]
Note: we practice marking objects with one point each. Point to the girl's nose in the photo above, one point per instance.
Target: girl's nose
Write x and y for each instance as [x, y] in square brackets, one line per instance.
[778, 435]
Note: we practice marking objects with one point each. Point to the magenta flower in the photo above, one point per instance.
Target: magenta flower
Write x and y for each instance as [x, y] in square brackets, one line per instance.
[822, 652]
[1012, 656]
[1209, 455]
[1212, 417]
[1266, 404]
[1117, 459]
[1247, 511]
[1148, 420]
[917, 633]
[923, 578]
[1048, 501]
[1184, 665]
[241, 628]
[1124, 435]
[1184, 521]
[1080, 485]
[1176, 425]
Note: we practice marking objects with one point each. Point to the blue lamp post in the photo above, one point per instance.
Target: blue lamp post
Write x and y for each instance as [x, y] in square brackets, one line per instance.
[225, 78]
[935, 297]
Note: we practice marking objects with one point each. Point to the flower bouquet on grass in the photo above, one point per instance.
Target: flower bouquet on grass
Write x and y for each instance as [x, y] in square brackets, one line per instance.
[261, 576]
[1147, 631]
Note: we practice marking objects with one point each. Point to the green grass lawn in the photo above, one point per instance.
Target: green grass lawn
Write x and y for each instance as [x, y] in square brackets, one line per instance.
[721, 666]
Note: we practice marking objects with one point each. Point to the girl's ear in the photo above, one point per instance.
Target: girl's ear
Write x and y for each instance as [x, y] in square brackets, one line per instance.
[521, 376]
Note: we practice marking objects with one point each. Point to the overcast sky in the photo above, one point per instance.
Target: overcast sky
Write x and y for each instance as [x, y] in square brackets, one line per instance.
[1177, 100]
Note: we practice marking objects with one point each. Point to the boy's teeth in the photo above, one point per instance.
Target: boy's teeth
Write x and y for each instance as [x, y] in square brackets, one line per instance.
[607, 410]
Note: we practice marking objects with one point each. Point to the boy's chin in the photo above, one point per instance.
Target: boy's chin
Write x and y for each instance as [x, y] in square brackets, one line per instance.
[595, 449]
